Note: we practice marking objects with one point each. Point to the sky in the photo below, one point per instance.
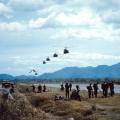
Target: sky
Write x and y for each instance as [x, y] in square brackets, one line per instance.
[31, 30]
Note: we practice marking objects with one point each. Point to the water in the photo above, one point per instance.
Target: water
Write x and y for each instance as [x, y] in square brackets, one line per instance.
[83, 86]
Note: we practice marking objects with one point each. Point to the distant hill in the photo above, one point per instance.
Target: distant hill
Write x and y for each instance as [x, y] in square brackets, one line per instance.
[101, 71]
[25, 77]
[6, 77]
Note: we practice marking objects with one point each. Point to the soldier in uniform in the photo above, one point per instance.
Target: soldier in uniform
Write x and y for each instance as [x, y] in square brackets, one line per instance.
[70, 86]
[33, 88]
[89, 88]
[67, 90]
[103, 88]
[106, 89]
[39, 88]
[111, 85]
[44, 88]
[95, 87]
[62, 87]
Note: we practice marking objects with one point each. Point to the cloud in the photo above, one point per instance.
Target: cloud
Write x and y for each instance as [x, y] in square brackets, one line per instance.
[4, 9]
[12, 26]
[41, 22]
[32, 5]
[83, 17]
[27, 5]
[98, 5]
[112, 17]
[26, 60]
[81, 59]
[87, 59]
[100, 33]
[70, 58]
[95, 56]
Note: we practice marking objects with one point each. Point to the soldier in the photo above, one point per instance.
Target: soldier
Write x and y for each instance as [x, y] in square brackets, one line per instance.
[75, 95]
[6, 95]
[44, 88]
[12, 89]
[33, 88]
[103, 88]
[106, 89]
[95, 87]
[111, 85]
[78, 88]
[62, 87]
[78, 92]
[39, 88]
[70, 85]
[67, 90]
[89, 88]
[27, 90]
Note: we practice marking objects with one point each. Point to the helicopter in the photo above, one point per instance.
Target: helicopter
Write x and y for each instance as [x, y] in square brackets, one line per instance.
[44, 62]
[47, 59]
[55, 55]
[36, 73]
[66, 51]
[33, 70]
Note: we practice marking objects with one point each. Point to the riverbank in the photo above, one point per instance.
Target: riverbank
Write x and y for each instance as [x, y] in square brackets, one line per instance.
[81, 85]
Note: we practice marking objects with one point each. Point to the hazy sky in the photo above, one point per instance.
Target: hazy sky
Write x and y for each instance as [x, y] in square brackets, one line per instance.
[31, 30]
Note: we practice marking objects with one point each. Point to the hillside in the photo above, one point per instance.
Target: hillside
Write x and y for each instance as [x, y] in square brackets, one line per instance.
[101, 71]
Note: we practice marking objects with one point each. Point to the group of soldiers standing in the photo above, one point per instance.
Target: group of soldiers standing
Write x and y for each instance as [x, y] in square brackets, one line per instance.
[40, 88]
[91, 88]
[105, 86]
[68, 88]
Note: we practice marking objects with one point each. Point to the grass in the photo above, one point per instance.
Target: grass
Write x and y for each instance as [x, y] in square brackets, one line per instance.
[21, 109]
[41, 106]
[62, 108]
[107, 108]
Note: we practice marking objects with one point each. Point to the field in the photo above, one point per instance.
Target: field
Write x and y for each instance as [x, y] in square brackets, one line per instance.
[41, 106]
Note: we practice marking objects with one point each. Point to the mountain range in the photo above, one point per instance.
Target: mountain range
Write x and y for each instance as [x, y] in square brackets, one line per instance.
[101, 71]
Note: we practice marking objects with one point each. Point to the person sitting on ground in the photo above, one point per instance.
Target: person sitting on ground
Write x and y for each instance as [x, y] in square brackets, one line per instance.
[75, 95]
[56, 97]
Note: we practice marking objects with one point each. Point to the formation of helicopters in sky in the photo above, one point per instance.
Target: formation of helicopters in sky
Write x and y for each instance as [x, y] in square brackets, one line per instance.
[48, 59]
